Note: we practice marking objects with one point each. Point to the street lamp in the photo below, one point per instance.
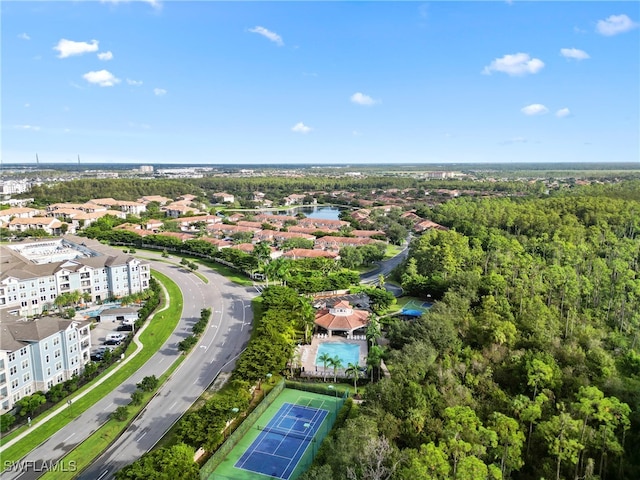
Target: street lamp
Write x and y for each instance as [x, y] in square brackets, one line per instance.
[269, 375]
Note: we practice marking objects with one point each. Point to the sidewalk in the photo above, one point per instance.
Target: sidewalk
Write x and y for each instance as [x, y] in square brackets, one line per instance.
[42, 421]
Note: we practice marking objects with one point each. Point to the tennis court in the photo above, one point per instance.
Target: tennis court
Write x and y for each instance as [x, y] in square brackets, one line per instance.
[416, 304]
[283, 440]
[281, 444]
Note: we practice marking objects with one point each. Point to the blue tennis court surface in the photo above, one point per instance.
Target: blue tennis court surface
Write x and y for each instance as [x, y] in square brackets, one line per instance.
[283, 441]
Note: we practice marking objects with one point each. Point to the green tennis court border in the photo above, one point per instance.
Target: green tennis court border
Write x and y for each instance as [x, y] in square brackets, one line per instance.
[226, 469]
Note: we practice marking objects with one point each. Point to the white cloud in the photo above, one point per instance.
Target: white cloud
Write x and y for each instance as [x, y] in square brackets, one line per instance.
[614, 25]
[157, 4]
[362, 99]
[563, 112]
[159, 91]
[534, 109]
[68, 48]
[423, 10]
[135, 83]
[574, 53]
[24, 36]
[273, 36]
[27, 105]
[27, 127]
[105, 56]
[514, 65]
[104, 78]
[301, 128]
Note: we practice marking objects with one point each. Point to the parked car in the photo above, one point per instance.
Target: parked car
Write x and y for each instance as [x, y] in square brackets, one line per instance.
[116, 336]
[112, 342]
[125, 328]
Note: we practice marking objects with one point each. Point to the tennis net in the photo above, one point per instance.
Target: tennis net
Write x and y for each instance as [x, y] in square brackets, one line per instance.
[287, 433]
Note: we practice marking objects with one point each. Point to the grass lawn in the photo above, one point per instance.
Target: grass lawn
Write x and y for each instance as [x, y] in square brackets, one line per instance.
[156, 333]
[234, 275]
[392, 251]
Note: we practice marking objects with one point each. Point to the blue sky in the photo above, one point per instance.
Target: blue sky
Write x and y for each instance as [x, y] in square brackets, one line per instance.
[320, 82]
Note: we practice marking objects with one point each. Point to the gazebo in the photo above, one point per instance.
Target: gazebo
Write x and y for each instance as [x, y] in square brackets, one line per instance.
[342, 317]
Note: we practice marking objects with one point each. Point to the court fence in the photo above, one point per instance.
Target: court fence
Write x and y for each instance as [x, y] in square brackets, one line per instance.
[224, 449]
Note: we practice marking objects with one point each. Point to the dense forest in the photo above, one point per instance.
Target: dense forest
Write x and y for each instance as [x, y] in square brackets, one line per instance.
[528, 364]
[275, 188]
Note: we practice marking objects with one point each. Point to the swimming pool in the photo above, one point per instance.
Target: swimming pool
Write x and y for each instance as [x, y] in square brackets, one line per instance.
[346, 352]
[99, 310]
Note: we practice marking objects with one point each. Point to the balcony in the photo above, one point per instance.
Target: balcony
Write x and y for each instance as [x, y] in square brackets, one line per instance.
[85, 344]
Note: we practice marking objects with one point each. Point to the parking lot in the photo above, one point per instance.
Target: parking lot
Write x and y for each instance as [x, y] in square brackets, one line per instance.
[101, 330]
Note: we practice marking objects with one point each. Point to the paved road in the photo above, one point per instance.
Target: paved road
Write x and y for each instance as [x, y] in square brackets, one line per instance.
[225, 337]
[385, 268]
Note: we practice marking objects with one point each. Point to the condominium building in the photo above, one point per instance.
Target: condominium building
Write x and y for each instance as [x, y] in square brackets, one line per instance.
[33, 274]
[37, 354]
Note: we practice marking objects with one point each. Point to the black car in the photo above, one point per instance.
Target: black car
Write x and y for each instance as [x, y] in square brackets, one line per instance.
[125, 328]
[112, 342]
[97, 356]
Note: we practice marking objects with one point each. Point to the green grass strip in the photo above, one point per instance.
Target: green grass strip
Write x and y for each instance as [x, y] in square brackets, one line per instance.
[154, 336]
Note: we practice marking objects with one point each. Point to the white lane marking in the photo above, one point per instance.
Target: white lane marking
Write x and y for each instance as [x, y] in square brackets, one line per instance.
[140, 437]
[107, 406]
[69, 437]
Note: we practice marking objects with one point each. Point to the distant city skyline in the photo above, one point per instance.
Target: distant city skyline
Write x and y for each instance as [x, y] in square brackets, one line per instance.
[152, 82]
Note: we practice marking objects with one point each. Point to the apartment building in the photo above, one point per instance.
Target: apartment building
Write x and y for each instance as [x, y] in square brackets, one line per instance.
[37, 354]
[33, 274]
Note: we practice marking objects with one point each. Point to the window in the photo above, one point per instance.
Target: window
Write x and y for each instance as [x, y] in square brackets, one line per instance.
[46, 346]
[58, 366]
[23, 351]
[50, 384]
[14, 383]
[25, 364]
[12, 357]
[56, 341]
[13, 370]
[24, 304]
[27, 391]
[46, 359]
[48, 372]
[34, 301]
[26, 377]
[56, 354]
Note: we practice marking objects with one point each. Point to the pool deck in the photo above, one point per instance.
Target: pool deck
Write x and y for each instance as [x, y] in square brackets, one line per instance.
[308, 355]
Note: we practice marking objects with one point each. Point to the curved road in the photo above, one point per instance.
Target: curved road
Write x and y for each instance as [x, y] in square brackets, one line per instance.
[227, 334]
[385, 268]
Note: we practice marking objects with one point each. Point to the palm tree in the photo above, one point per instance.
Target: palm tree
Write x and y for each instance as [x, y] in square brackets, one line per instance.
[374, 331]
[374, 359]
[306, 317]
[325, 358]
[353, 371]
[336, 363]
